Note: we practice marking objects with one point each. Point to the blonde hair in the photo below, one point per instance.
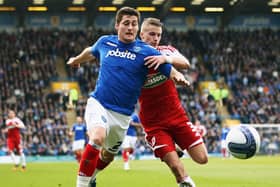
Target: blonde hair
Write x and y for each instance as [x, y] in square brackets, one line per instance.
[151, 21]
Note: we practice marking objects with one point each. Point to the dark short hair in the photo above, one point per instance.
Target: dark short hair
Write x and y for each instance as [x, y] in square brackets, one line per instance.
[127, 11]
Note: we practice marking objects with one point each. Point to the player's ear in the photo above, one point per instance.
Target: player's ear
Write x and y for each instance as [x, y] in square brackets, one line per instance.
[116, 26]
[141, 35]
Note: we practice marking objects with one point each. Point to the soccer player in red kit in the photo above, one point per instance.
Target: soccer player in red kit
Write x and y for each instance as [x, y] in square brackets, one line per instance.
[13, 126]
[161, 113]
[201, 129]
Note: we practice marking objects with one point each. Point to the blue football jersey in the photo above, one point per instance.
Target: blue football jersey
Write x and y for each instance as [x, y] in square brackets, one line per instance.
[79, 131]
[131, 131]
[224, 133]
[122, 72]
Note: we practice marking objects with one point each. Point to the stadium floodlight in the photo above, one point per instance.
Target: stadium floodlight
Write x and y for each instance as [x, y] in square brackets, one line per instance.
[78, 2]
[157, 2]
[276, 10]
[38, 2]
[76, 9]
[37, 8]
[1, 2]
[107, 9]
[7, 9]
[117, 2]
[178, 9]
[214, 9]
[146, 8]
[197, 2]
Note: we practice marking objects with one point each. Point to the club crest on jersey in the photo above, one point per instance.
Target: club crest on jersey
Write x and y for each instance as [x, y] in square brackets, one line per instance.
[154, 80]
[122, 54]
[136, 49]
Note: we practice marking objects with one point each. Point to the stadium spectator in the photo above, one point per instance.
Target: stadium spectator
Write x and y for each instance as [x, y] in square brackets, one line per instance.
[130, 139]
[79, 130]
[14, 140]
[73, 97]
[111, 104]
[163, 118]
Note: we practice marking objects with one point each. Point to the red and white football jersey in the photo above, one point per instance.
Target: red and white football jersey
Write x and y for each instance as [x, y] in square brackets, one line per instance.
[159, 100]
[13, 132]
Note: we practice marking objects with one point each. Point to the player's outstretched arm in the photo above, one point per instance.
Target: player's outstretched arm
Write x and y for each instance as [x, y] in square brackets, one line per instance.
[178, 77]
[178, 61]
[84, 56]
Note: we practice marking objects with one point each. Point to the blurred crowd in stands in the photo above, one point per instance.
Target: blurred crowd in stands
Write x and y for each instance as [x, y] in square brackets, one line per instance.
[248, 62]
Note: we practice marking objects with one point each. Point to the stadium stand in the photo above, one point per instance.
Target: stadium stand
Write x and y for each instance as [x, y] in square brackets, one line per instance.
[27, 67]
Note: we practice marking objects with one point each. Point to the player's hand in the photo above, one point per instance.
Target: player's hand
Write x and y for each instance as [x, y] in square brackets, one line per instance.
[154, 61]
[179, 78]
[181, 81]
[73, 62]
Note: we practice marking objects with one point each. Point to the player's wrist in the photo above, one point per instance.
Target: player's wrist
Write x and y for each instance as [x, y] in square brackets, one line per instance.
[169, 59]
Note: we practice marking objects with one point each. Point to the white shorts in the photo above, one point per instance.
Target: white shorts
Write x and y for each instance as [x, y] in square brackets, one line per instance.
[78, 145]
[129, 142]
[116, 124]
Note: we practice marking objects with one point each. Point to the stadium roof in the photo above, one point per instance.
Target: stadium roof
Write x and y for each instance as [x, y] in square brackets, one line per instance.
[160, 6]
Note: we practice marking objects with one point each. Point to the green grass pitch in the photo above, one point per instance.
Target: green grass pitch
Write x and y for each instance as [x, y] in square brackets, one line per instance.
[254, 172]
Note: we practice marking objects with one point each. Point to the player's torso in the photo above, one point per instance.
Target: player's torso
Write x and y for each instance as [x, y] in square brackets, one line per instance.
[13, 132]
[122, 74]
[159, 101]
[80, 132]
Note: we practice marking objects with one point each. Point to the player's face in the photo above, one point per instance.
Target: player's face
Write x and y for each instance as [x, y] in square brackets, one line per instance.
[11, 114]
[127, 28]
[151, 34]
[79, 120]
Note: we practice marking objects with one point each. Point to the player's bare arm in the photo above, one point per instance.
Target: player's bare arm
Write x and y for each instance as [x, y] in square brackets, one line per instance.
[178, 77]
[178, 61]
[84, 56]
[135, 124]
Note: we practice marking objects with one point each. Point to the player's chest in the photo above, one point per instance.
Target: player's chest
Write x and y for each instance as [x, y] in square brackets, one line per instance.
[120, 57]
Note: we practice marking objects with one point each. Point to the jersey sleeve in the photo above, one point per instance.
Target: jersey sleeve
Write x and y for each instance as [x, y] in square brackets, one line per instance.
[96, 46]
[18, 121]
[169, 50]
[165, 68]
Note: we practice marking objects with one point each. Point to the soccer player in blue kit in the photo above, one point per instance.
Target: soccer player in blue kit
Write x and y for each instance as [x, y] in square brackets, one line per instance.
[129, 143]
[121, 77]
[79, 130]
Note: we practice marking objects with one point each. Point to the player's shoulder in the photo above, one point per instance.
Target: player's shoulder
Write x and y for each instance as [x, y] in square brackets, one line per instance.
[146, 48]
[108, 38]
